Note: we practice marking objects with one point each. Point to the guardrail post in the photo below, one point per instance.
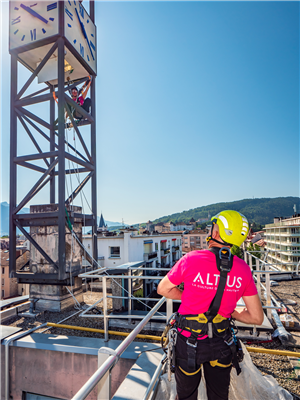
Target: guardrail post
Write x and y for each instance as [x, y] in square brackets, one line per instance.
[257, 264]
[104, 386]
[105, 318]
[129, 295]
[269, 303]
[258, 285]
[250, 261]
[245, 256]
[169, 308]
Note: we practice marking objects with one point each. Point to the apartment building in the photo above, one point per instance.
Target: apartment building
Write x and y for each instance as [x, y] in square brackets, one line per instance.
[194, 240]
[10, 286]
[283, 240]
[157, 250]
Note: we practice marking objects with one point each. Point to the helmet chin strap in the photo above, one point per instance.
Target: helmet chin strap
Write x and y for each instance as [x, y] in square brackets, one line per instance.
[209, 238]
[222, 243]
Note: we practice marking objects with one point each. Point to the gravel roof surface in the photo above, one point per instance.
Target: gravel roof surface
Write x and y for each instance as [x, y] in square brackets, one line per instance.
[277, 366]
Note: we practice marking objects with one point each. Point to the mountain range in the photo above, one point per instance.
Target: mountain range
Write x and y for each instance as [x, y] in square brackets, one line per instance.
[260, 211]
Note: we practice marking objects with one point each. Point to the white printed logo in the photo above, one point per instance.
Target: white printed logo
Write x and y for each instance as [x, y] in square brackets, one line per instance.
[214, 279]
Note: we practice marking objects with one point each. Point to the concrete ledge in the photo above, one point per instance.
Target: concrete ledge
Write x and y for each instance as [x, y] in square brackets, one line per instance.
[58, 366]
[80, 345]
[137, 381]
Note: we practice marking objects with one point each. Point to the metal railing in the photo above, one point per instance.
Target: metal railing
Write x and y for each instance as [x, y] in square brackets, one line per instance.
[103, 274]
[112, 359]
[272, 304]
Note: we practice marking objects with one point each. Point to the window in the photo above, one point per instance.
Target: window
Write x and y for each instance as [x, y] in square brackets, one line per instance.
[2, 294]
[3, 271]
[156, 246]
[2, 282]
[115, 252]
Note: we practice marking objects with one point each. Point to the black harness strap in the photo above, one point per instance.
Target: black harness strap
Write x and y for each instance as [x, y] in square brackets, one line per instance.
[224, 261]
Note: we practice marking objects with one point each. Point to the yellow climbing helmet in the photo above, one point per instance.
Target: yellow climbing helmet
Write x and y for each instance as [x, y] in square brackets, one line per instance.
[233, 226]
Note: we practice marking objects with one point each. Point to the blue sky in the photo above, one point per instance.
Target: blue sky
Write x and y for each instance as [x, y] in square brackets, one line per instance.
[197, 103]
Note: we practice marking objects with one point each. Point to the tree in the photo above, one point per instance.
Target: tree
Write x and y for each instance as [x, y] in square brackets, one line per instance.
[237, 251]
[255, 251]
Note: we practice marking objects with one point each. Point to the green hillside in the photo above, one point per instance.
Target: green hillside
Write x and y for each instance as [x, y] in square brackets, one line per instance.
[261, 211]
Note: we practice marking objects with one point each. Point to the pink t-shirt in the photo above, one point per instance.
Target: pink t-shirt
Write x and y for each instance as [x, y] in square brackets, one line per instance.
[80, 100]
[198, 270]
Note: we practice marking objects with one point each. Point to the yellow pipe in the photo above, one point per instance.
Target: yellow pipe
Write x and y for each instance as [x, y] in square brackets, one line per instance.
[117, 333]
[274, 352]
[158, 338]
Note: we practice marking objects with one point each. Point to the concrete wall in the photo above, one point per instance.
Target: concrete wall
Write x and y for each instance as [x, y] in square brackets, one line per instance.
[55, 373]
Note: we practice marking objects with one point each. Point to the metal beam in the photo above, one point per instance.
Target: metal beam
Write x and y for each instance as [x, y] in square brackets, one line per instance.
[13, 166]
[33, 125]
[42, 215]
[52, 147]
[35, 118]
[94, 156]
[74, 171]
[92, 11]
[32, 138]
[35, 156]
[77, 107]
[78, 189]
[35, 187]
[36, 245]
[88, 165]
[73, 148]
[37, 70]
[33, 100]
[32, 166]
[78, 133]
[55, 133]
[61, 148]
[35, 93]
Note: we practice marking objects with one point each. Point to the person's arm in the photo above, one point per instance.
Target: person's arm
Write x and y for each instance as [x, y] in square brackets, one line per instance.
[84, 93]
[167, 289]
[253, 313]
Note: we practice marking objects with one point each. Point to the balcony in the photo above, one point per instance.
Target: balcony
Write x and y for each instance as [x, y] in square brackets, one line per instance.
[164, 250]
[175, 248]
[150, 256]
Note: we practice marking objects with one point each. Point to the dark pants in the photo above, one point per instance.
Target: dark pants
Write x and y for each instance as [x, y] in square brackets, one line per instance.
[86, 106]
[217, 378]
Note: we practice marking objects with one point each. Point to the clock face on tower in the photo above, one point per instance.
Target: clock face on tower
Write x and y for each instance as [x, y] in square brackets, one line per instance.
[81, 32]
[31, 21]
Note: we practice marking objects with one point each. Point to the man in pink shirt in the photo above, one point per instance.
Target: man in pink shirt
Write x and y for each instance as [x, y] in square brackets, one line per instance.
[214, 281]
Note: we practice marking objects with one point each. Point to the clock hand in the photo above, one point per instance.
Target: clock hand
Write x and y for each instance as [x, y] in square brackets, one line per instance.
[84, 33]
[89, 47]
[33, 13]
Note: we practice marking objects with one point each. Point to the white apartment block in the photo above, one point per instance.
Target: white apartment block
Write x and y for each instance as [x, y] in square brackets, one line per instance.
[283, 240]
[158, 250]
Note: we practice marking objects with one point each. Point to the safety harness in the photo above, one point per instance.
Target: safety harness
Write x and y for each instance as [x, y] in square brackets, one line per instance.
[211, 323]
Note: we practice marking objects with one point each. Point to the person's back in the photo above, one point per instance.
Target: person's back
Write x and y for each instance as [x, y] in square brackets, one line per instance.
[213, 281]
[198, 270]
